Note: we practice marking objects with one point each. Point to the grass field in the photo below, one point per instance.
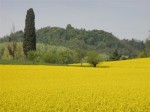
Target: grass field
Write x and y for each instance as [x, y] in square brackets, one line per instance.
[121, 86]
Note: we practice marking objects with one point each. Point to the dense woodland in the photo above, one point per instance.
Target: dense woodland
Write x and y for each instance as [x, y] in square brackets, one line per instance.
[99, 40]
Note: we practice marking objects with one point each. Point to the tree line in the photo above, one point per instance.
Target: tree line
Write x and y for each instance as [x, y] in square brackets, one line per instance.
[78, 45]
[73, 38]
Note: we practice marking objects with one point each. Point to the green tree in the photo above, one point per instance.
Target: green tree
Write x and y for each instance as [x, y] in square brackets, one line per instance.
[1, 52]
[69, 27]
[142, 54]
[74, 38]
[147, 47]
[115, 56]
[29, 42]
[94, 58]
[81, 54]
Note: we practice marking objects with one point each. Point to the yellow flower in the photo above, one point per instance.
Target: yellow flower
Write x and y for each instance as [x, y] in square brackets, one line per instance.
[120, 86]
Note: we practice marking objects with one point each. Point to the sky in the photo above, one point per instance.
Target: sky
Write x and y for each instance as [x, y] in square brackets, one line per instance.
[123, 18]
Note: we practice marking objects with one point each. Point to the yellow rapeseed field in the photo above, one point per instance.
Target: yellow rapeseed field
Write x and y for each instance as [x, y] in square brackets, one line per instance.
[121, 86]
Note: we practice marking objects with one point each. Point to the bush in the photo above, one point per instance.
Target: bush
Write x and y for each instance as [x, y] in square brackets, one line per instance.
[142, 54]
[46, 53]
[56, 54]
[66, 57]
[32, 56]
[50, 58]
[19, 54]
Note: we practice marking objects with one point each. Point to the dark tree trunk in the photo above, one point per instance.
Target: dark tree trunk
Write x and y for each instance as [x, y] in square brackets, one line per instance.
[94, 65]
[81, 62]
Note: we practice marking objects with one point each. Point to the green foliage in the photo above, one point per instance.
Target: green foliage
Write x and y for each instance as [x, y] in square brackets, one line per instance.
[115, 56]
[32, 56]
[1, 52]
[98, 40]
[17, 53]
[69, 27]
[58, 54]
[50, 58]
[73, 38]
[29, 42]
[15, 62]
[94, 58]
[142, 54]
[18, 37]
[147, 47]
[80, 55]
[44, 53]
[66, 57]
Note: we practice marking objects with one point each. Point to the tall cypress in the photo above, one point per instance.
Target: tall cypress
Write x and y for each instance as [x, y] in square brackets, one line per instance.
[29, 42]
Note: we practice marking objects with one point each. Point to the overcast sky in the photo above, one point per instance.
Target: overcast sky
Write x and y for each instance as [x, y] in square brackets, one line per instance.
[124, 18]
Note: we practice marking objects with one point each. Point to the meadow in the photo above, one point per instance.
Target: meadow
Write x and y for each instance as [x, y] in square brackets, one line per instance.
[120, 86]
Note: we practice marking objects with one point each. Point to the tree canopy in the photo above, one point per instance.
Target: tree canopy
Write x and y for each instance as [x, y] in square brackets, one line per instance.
[74, 38]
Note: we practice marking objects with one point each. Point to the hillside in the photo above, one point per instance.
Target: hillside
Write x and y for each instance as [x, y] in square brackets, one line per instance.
[74, 38]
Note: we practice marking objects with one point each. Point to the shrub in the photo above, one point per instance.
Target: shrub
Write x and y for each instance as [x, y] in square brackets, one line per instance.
[66, 57]
[142, 54]
[32, 56]
[50, 58]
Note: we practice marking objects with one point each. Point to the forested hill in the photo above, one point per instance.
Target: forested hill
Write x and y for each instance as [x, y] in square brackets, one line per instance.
[73, 38]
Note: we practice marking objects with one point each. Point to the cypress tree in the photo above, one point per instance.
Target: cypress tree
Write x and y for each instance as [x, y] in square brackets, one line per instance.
[29, 42]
